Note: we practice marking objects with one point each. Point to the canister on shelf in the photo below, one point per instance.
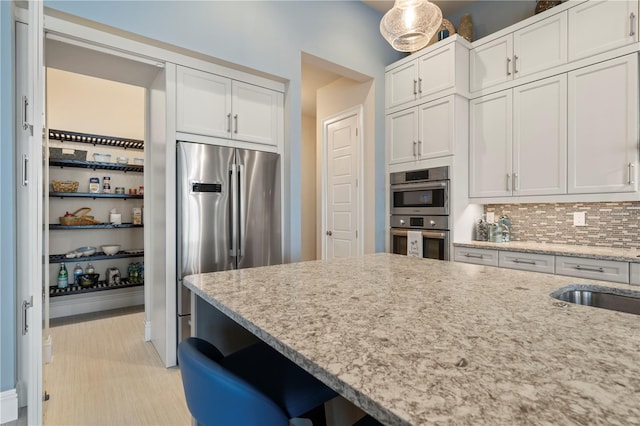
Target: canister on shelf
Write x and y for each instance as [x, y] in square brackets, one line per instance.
[119, 189]
[94, 185]
[141, 190]
[137, 216]
[106, 184]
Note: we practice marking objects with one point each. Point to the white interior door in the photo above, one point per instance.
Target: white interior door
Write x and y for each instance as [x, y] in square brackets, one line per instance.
[342, 189]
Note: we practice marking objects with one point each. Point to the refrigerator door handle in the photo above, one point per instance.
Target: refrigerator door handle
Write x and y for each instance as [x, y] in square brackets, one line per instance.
[233, 183]
[243, 217]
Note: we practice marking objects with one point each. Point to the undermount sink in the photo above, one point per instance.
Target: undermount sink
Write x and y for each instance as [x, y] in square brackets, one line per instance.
[615, 299]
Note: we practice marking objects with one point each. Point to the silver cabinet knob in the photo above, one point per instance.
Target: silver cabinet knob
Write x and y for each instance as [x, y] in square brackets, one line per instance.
[329, 233]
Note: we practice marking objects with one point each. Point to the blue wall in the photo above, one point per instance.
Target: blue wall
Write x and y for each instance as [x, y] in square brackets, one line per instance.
[7, 203]
[267, 36]
[489, 16]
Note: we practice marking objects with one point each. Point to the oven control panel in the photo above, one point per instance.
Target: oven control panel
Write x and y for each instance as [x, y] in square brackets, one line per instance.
[420, 222]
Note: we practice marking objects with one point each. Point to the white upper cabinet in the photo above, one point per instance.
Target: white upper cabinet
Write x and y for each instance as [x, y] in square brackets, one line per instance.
[204, 103]
[532, 49]
[599, 26]
[211, 105]
[402, 136]
[490, 145]
[540, 137]
[603, 127]
[518, 141]
[428, 75]
[256, 113]
[426, 131]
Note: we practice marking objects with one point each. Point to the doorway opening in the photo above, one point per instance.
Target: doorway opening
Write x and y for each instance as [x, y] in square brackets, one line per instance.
[330, 91]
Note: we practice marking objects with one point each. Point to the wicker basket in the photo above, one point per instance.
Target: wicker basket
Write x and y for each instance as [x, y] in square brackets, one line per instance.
[65, 186]
[79, 218]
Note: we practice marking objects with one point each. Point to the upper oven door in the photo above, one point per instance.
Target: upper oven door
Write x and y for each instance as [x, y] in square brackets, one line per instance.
[425, 198]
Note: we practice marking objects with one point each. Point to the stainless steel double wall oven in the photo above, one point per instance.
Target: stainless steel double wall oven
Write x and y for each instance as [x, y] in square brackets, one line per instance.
[420, 201]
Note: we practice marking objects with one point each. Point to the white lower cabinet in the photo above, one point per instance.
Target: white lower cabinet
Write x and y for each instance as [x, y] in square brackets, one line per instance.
[527, 261]
[605, 270]
[475, 255]
[634, 273]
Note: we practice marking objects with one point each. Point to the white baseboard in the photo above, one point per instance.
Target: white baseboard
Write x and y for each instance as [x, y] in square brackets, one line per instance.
[63, 306]
[147, 331]
[8, 406]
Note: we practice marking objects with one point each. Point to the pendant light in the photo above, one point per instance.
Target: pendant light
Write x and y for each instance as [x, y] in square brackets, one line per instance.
[410, 24]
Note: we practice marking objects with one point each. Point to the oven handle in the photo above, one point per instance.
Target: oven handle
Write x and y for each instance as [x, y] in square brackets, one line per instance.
[420, 185]
[441, 235]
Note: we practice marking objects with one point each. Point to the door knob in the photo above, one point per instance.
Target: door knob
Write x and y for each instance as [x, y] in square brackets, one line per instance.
[329, 233]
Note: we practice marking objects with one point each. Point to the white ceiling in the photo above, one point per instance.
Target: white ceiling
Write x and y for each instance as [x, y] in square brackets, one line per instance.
[448, 7]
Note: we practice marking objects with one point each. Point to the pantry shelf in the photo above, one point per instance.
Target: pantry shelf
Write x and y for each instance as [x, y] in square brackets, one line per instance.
[123, 254]
[100, 286]
[92, 195]
[54, 227]
[96, 165]
[66, 136]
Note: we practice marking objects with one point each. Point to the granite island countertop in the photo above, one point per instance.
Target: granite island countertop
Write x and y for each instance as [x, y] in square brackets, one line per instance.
[418, 342]
[591, 252]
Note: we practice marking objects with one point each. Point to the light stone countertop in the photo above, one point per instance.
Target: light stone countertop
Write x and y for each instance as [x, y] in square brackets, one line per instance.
[591, 252]
[418, 342]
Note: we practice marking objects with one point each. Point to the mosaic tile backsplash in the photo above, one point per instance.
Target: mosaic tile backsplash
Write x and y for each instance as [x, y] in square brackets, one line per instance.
[608, 224]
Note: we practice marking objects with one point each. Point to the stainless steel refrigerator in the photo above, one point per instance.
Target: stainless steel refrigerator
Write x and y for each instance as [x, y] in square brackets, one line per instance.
[228, 214]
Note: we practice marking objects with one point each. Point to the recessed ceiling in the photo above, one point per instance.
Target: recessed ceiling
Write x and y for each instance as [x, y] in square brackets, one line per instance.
[448, 7]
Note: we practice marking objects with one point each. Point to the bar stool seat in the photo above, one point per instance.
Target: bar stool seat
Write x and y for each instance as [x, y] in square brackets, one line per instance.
[255, 385]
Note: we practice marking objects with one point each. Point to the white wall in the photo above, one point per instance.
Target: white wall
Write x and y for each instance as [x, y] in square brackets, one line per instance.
[339, 96]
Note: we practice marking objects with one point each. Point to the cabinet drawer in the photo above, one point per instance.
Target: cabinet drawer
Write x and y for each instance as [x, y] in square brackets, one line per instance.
[475, 255]
[606, 270]
[527, 261]
[634, 275]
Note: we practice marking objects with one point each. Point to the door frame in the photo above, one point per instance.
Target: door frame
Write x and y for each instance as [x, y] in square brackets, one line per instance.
[358, 112]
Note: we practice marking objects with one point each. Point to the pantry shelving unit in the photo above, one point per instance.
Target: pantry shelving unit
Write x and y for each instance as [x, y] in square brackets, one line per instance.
[70, 162]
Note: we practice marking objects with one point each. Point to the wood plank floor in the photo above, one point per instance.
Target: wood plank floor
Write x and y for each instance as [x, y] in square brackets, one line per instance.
[104, 373]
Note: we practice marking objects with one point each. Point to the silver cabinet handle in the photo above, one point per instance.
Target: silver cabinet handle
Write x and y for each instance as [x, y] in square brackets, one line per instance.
[508, 63]
[508, 182]
[632, 173]
[415, 87]
[25, 322]
[235, 118]
[515, 181]
[515, 64]
[632, 30]
[419, 148]
[526, 262]
[25, 170]
[586, 268]
[473, 255]
[329, 233]
[414, 148]
[229, 123]
[419, 85]
[25, 106]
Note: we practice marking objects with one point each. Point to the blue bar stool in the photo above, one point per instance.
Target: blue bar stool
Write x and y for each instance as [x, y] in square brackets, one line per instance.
[254, 386]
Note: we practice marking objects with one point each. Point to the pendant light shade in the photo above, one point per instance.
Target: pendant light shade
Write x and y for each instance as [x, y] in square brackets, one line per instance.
[410, 24]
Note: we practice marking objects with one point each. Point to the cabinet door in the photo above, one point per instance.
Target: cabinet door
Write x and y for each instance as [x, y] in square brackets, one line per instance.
[598, 26]
[603, 126]
[203, 103]
[402, 84]
[491, 63]
[435, 128]
[437, 71]
[540, 137]
[256, 113]
[540, 46]
[476, 255]
[490, 139]
[402, 136]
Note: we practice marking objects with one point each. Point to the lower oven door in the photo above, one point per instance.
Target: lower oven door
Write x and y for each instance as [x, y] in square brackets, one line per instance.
[435, 244]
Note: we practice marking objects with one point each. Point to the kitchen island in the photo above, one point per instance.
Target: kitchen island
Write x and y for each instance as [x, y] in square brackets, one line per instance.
[415, 341]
